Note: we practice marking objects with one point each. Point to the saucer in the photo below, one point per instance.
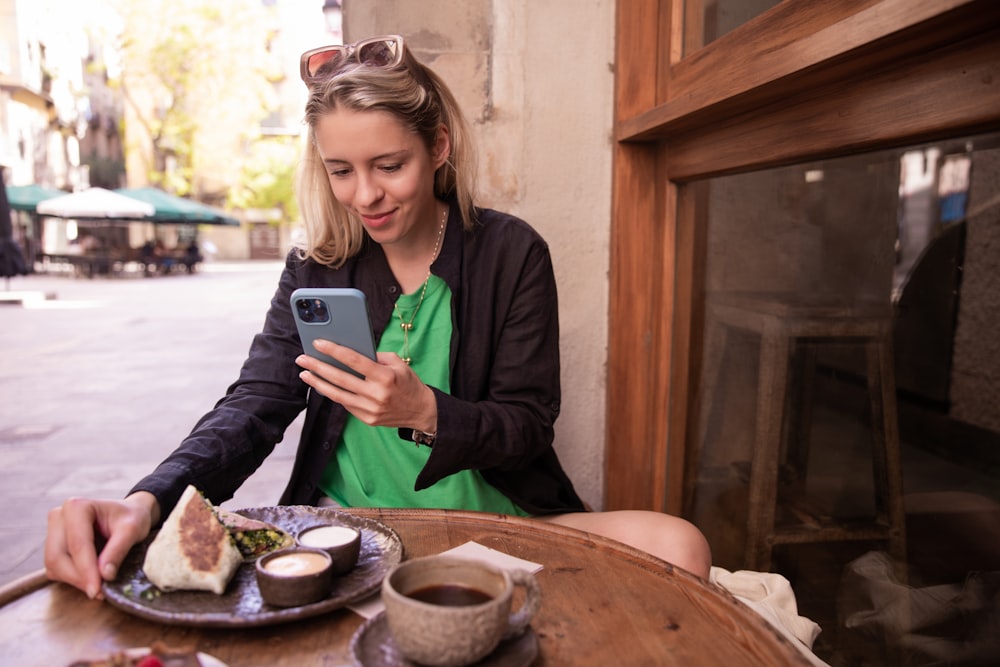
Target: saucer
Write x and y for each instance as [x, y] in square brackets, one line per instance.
[372, 646]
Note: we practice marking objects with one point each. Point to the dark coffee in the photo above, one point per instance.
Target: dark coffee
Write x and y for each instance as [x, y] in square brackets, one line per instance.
[449, 595]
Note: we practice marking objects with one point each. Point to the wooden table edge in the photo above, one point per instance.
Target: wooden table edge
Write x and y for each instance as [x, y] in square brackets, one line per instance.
[23, 586]
[532, 525]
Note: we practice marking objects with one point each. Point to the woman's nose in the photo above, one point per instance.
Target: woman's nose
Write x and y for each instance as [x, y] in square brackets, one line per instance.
[368, 190]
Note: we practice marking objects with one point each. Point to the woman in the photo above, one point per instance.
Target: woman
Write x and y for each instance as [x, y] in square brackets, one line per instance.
[458, 409]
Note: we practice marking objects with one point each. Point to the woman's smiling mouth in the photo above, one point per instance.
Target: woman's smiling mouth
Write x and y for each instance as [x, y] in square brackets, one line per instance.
[376, 220]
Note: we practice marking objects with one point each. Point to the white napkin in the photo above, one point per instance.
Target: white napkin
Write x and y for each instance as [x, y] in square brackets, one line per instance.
[372, 605]
[771, 595]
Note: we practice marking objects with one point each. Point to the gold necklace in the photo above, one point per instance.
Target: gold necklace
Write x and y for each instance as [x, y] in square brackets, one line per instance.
[407, 327]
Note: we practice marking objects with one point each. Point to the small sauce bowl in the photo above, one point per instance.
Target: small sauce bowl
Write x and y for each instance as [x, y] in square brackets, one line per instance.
[343, 543]
[294, 576]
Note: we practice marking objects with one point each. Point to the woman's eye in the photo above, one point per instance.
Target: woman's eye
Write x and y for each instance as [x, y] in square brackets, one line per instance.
[339, 173]
[391, 168]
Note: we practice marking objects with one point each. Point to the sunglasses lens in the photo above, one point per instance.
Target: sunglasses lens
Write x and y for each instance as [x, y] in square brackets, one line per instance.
[379, 54]
[325, 60]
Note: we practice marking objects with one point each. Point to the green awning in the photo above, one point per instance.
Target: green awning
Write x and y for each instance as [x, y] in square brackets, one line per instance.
[173, 209]
[27, 197]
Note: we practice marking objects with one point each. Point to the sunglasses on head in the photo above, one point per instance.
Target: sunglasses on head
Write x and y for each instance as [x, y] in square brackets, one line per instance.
[384, 51]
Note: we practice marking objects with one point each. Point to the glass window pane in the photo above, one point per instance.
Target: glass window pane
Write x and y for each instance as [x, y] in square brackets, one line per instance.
[707, 20]
[811, 273]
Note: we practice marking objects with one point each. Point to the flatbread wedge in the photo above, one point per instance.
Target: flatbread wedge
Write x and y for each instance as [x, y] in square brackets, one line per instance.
[254, 538]
[193, 550]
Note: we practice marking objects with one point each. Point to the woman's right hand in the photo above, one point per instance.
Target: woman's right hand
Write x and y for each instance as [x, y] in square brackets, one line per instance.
[390, 394]
[71, 553]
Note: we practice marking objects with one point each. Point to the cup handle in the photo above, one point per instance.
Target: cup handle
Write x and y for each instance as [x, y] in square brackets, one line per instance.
[520, 619]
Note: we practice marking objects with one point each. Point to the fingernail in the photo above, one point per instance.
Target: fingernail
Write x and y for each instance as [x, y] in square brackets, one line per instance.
[109, 571]
[92, 592]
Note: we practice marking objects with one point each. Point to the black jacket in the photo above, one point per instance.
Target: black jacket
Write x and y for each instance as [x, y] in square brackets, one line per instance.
[504, 378]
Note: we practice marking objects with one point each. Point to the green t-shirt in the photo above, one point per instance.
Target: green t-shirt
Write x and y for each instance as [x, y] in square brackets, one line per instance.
[372, 466]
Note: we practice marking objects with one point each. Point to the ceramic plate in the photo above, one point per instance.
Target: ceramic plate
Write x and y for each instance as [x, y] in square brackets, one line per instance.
[372, 646]
[241, 604]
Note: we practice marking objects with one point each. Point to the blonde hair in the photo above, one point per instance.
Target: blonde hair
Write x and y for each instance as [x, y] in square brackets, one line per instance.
[421, 101]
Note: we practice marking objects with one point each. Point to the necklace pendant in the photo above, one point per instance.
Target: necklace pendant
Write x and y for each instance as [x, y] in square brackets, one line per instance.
[407, 327]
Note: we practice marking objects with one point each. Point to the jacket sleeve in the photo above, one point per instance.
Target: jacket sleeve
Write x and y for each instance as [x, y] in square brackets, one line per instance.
[505, 387]
[232, 440]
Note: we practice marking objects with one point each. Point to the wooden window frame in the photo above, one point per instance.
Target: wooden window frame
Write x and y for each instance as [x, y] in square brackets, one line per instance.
[805, 80]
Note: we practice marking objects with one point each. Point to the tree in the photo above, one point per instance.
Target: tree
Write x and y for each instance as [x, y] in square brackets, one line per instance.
[268, 178]
[196, 76]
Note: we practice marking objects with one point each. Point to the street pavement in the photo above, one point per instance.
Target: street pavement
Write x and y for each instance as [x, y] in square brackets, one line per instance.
[100, 382]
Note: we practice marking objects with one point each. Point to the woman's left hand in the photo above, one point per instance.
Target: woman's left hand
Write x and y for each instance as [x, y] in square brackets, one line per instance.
[390, 394]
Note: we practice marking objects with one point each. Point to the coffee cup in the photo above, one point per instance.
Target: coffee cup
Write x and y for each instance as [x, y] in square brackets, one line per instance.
[445, 611]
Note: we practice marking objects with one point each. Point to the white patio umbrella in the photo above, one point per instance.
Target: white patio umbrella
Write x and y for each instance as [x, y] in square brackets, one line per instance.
[95, 204]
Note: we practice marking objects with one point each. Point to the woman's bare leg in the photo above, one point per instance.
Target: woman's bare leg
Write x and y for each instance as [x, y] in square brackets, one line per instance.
[668, 537]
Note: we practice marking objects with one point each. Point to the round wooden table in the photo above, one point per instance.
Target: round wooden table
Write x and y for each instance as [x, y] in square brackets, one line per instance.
[603, 604]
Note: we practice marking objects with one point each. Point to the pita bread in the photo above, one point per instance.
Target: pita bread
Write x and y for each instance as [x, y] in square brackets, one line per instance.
[193, 550]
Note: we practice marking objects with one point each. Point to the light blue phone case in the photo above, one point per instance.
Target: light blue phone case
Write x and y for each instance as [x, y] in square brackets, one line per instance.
[338, 314]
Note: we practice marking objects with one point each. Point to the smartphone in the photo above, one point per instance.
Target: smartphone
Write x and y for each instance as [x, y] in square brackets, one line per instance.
[338, 314]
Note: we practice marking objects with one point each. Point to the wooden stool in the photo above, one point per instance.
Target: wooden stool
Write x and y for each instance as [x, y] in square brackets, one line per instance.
[781, 326]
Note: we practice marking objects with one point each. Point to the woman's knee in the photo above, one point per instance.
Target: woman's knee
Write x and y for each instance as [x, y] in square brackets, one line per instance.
[671, 538]
[665, 536]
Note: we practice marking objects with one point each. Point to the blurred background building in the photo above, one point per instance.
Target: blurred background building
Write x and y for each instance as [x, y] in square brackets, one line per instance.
[83, 105]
